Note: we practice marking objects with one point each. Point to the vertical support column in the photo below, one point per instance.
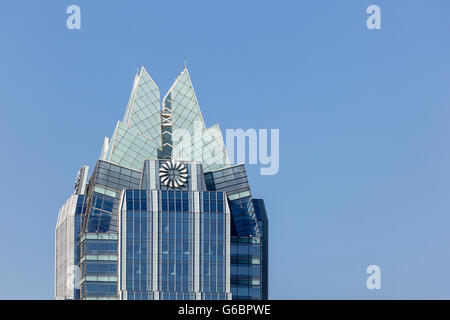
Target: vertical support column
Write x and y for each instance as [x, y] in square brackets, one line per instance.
[196, 200]
[153, 175]
[194, 186]
[227, 247]
[155, 251]
[122, 246]
[166, 129]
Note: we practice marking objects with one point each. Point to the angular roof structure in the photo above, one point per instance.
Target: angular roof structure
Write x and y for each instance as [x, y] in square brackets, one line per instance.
[171, 129]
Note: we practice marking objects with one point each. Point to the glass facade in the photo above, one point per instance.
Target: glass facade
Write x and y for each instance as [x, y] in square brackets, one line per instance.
[99, 233]
[162, 217]
[162, 252]
[249, 233]
[67, 253]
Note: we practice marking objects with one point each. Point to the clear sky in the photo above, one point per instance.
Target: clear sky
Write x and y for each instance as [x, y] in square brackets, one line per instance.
[363, 116]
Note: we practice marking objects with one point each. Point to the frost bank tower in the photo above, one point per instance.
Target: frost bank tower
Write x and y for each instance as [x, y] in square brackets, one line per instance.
[163, 215]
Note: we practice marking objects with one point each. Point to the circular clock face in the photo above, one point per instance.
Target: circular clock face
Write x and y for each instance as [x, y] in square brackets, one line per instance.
[173, 174]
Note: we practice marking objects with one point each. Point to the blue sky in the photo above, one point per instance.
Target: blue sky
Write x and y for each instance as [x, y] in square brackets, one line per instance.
[363, 116]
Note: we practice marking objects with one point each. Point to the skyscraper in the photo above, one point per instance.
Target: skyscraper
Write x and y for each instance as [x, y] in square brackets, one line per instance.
[163, 215]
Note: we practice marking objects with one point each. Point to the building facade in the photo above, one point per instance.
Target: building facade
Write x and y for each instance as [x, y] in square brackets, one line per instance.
[163, 215]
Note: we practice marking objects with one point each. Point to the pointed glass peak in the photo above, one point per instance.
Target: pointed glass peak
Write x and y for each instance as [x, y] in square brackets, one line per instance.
[146, 77]
[181, 99]
[142, 78]
[144, 107]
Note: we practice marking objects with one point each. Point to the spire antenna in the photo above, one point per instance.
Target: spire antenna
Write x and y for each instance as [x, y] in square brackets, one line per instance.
[185, 62]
